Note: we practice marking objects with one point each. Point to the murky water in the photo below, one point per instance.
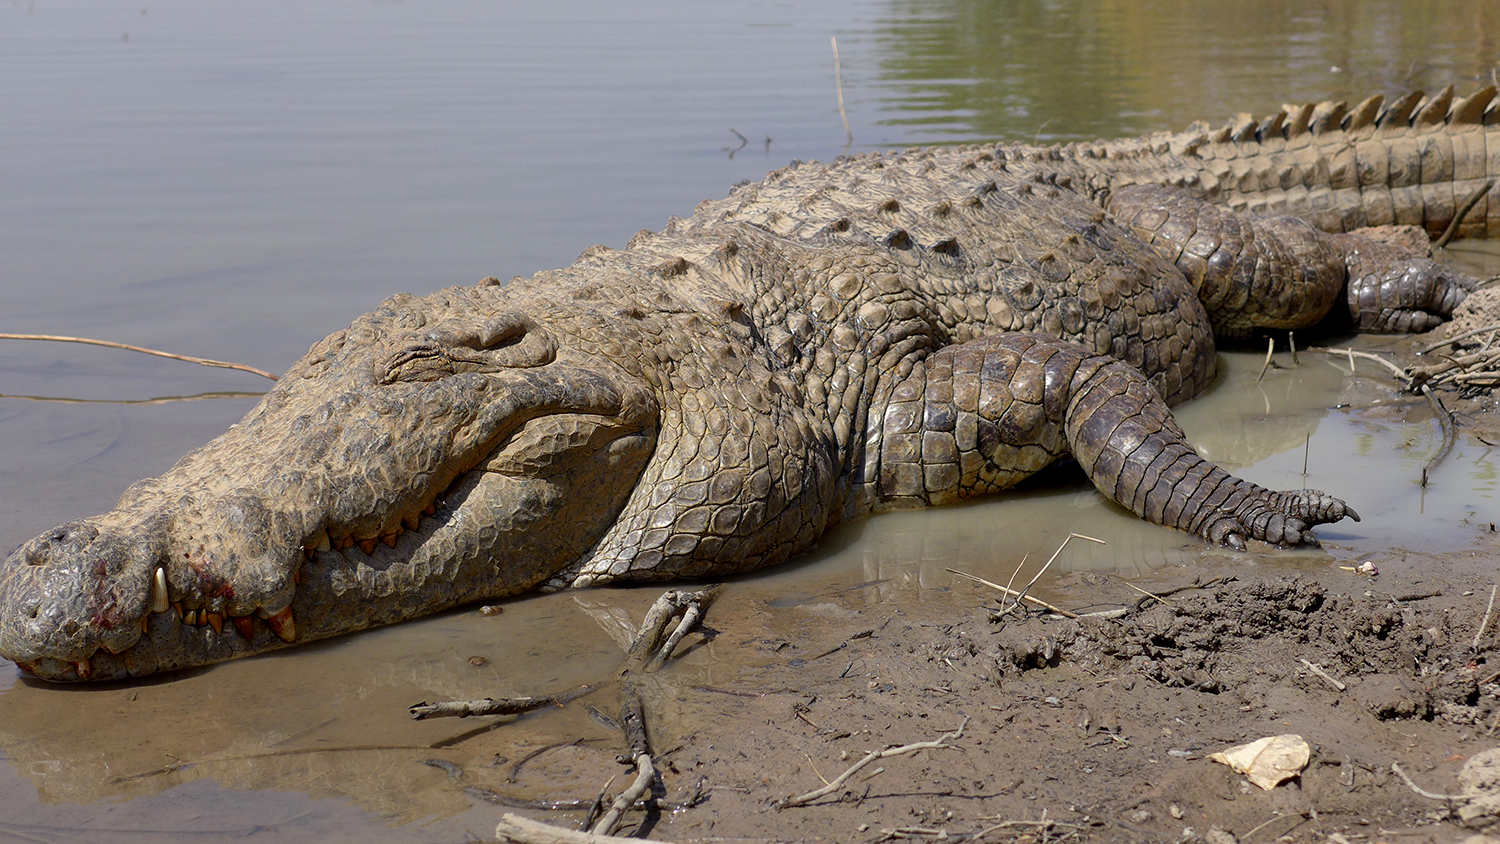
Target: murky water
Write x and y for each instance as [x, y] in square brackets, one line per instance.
[235, 181]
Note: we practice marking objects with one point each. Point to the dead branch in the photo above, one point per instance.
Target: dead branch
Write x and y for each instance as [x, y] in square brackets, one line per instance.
[1355, 353]
[1013, 593]
[838, 782]
[1457, 337]
[491, 706]
[60, 338]
[644, 777]
[521, 830]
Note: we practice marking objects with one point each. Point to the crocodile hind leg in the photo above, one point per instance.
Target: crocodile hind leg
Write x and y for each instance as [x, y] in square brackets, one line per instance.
[1256, 272]
[981, 416]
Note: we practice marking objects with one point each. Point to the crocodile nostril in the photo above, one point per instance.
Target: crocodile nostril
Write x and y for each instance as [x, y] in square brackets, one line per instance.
[36, 610]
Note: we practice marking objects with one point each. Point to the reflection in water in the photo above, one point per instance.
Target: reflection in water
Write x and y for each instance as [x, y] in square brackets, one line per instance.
[1067, 70]
[237, 181]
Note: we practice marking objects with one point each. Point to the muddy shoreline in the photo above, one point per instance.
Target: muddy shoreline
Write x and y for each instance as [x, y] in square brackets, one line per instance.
[1091, 729]
[1100, 728]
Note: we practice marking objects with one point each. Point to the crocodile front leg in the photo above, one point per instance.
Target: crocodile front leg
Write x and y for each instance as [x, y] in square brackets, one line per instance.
[1255, 272]
[983, 415]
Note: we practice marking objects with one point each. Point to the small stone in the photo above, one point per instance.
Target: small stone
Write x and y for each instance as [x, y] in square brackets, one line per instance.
[491, 609]
[1139, 816]
[478, 661]
[1176, 811]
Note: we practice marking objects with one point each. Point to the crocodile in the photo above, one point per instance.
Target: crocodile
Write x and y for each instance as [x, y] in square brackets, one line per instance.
[889, 330]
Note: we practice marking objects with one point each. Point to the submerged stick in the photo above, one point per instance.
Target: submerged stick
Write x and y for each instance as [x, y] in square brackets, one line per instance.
[1450, 436]
[61, 338]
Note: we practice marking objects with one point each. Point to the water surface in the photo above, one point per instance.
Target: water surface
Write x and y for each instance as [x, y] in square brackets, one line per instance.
[237, 180]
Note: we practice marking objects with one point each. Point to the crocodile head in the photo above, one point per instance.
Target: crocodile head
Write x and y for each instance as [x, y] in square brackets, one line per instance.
[439, 451]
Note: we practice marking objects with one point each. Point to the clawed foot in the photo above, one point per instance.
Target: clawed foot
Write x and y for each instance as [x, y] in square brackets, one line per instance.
[1395, 288]
[1280, 518]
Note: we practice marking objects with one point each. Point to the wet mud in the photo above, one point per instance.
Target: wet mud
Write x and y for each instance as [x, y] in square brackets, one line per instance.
[1091, 729]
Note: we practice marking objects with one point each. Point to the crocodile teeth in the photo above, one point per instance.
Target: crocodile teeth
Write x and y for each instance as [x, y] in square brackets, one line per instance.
[411, 522]
[214, 620]
[283, 626]
[190, 618]
[323, 543]
[159, 591]
[85, 669]
[367, 546]
[246, 625]
[177, 605]
[390, 539]
[430, 510]
[345, 542]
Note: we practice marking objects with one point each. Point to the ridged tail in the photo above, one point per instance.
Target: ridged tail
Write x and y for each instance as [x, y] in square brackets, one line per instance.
[1412, 161]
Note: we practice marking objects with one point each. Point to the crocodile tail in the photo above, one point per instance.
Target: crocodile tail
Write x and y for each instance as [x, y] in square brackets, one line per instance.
[1413, 160]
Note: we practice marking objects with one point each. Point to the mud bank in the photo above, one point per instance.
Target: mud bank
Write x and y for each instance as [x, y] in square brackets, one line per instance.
[1091, 729]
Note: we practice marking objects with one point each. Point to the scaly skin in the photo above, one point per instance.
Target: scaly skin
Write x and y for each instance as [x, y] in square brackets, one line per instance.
[886, 331]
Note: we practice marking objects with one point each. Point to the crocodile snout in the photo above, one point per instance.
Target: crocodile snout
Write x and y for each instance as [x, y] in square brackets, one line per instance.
[75, 589]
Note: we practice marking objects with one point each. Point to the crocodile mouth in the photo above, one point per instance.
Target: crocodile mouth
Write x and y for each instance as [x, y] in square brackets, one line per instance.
[177, 614]
[427, 553]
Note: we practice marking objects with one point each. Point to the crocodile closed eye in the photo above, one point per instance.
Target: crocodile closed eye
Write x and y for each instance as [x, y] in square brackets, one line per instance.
[505, 341]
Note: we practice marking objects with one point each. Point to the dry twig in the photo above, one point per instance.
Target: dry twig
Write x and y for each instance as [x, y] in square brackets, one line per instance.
[61, 338]
[1486, 622]
[1396, 769]
[838, 81]
[1055, 555]
[1013, 593]
[1270, 349]
[522, 830]
[1328, 678]
[838, 782]
[490, 706]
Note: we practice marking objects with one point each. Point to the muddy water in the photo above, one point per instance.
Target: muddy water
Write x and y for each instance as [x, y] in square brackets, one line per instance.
[236, 181]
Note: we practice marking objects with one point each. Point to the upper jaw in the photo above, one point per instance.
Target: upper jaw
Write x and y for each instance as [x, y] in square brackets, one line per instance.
[170, 580]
